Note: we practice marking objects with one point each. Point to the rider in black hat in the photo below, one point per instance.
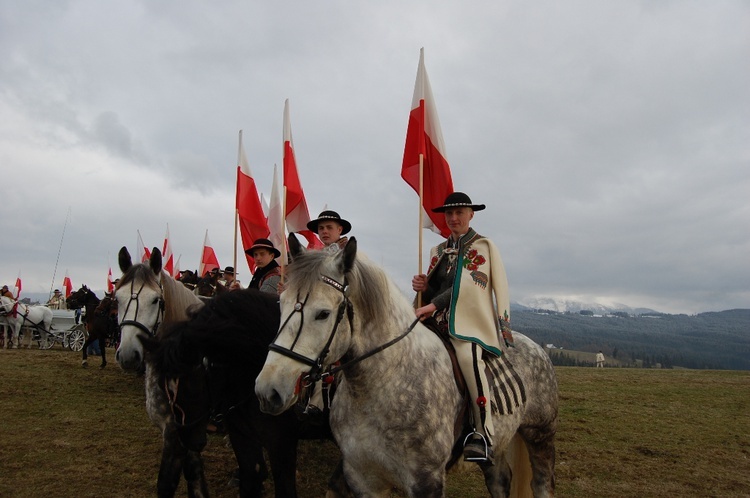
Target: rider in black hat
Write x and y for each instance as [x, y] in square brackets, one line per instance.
[330, 227]
[267, 272]
[466, 292]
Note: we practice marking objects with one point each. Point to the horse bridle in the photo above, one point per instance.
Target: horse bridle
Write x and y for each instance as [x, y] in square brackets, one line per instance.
[316, 373]
[134, 322]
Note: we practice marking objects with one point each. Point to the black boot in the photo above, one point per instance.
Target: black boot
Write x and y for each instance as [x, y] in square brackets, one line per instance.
[476, 448]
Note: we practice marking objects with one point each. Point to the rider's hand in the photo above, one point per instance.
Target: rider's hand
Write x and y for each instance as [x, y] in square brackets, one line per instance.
[419, 283]
[425, 311]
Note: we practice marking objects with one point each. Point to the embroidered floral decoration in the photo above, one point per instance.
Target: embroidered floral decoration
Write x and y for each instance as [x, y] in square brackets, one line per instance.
[473, 261]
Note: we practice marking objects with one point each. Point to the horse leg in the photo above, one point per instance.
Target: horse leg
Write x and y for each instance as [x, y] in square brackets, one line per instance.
[497, 477]
[194, 475]
[540, 445]
[249, 454]
[172, 458]
[85, 360]
[337, 487]
[102, 344]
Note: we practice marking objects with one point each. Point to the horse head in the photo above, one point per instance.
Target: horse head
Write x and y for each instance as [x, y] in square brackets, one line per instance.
[140, 306]
[316, 324]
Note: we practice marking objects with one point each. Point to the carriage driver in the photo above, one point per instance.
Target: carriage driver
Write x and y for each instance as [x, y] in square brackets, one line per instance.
[57, 301]
[5, 292]
[464, 272]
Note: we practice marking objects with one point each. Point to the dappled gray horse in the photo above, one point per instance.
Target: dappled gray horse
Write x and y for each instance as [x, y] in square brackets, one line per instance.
[147, 298]
[394, 414]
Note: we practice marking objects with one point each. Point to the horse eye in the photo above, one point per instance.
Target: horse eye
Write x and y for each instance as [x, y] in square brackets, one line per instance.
[155, 301]
[322, 315]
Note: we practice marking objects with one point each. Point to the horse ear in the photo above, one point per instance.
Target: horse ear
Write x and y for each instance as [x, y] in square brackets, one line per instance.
[155, 261]
[124, 259]
[294, 246]
[350, 254]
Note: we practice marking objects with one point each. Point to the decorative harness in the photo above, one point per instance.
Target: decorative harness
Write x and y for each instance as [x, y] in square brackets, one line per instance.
[134, 322]
[316, 372]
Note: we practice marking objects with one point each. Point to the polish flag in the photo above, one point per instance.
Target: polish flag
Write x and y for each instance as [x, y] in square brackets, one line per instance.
[67, 285]
[18, 285]
[276, 219]
[252, 219]
[167, 256]
[177, 267]
[209, 261]
[143, 251]
[110, 282]
[297, 214]
[425, 139]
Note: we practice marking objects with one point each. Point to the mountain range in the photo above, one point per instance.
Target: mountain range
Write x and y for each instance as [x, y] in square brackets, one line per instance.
[563, 305]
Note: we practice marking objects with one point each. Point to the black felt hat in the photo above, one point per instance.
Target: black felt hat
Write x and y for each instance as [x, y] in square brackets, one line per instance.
[229, 269]
[263, 244]
[330, 216]
[458, 199]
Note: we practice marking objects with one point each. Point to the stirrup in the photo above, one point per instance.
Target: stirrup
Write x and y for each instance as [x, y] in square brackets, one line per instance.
[476, 450]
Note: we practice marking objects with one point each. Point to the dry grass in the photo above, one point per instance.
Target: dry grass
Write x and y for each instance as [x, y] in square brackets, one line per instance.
[67, 431]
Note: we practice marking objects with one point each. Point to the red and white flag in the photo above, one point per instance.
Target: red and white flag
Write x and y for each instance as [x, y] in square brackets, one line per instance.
[143, 251]
[67, 285]
[424, 137]
[110, 282]
[252, 219]
[166, 254]
[297, 214]
[177, 267]
[276, 219]
[209, 261]
[18, 285]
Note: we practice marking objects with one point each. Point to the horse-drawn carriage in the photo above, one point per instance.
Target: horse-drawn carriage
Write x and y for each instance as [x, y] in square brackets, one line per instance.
[39, 324]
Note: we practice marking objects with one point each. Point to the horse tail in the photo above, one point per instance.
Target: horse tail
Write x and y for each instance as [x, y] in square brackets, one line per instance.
[520, 466]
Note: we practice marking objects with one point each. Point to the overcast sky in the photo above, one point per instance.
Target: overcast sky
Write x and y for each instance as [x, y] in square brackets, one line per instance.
[609, 140]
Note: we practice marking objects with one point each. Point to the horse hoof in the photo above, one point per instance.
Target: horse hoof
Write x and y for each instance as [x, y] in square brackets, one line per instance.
[84, 364]
[103, 365]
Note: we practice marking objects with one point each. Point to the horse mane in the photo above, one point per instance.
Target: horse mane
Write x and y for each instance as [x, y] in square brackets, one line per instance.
[178, 299]
[233, 329]
[371, 290]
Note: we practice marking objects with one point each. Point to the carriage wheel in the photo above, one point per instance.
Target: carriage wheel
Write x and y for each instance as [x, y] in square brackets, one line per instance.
[76, 338]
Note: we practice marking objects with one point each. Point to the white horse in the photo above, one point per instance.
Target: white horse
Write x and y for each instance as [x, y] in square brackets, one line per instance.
[147, 300]
[19, 315]
[395, 412]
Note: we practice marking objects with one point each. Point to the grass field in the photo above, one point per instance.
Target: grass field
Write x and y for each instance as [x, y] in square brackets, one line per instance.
[67, 431]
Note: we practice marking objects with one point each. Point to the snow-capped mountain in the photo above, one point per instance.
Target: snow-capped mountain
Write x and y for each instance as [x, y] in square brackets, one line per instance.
[562, 305]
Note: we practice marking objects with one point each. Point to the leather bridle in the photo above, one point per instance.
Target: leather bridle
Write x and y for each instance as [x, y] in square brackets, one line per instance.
[316, 373]
[134, 322]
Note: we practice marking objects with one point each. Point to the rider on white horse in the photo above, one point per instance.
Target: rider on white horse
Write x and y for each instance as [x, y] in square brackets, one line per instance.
[464, 272]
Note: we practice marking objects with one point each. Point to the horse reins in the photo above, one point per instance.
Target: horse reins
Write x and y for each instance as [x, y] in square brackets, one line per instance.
[134, 322]
[316, 373]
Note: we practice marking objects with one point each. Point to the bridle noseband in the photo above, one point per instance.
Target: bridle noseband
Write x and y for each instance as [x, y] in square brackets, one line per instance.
[134, 322]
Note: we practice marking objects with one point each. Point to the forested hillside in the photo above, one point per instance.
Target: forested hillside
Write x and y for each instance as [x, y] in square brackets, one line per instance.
[716, 340]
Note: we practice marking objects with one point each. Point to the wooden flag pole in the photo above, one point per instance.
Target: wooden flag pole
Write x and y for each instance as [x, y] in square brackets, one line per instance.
[236, 207]
[283, 231]
[421, 210]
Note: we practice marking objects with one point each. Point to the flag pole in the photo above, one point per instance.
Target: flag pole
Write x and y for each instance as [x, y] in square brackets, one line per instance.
[283, 231]
[236, 207]
[421, 210]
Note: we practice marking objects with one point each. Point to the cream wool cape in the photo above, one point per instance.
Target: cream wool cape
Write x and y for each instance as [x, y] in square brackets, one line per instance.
[473, 316]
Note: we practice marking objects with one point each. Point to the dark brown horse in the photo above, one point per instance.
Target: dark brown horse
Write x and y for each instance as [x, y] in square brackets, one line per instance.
[100, 320]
